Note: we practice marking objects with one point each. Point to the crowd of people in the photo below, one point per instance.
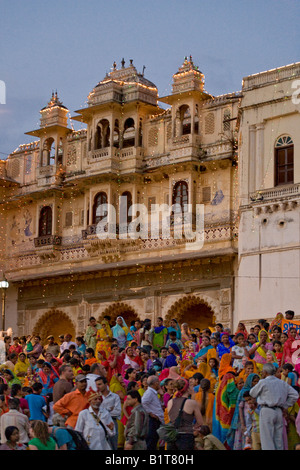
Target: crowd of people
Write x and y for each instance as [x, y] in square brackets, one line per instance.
[152, 387]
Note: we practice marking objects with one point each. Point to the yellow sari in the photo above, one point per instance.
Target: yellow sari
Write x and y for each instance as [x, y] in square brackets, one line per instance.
[103, 338]
[21, 367]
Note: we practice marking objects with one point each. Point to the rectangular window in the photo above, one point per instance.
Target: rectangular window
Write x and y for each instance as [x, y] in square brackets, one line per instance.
[284, 161]
[82, 217]
[69, 219]
[206, 194]
[151, 201]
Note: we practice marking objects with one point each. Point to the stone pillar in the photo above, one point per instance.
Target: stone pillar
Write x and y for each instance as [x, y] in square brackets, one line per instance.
[84, 312]
[252, 160]
[225, 307]
[259, 154]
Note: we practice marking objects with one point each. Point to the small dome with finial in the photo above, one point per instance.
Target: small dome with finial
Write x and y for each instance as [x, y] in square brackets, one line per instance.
[188, 77]
[55, 101]
[123, 85]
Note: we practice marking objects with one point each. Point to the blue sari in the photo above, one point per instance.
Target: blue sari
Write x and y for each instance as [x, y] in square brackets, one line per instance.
[121, 333]
[202, 352]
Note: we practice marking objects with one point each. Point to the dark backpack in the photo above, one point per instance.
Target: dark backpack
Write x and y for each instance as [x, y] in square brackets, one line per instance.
[78, 439]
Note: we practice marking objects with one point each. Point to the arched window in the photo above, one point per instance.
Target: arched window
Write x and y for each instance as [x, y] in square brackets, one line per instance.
[141, 133]
[179, 199]
[105, 132]
[126, 203]
[98, 214]
[48, 155]
[60, 152]
[102, 135]
[45, 221]
[196, 120]
[129, 133]
[98, 137]
[185, 119]
[116, 135]
[284, 160]
[180, 194]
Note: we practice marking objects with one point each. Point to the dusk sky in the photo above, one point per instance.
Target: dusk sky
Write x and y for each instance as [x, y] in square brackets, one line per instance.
[69, 46]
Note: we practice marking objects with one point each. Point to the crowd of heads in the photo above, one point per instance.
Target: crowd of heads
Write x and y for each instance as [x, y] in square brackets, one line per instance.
[148, 354]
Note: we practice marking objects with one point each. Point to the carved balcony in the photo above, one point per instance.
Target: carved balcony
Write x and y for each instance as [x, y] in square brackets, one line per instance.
[47, 240]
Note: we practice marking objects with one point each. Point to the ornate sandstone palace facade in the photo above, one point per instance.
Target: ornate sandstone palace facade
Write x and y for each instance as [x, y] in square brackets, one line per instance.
[196, 149]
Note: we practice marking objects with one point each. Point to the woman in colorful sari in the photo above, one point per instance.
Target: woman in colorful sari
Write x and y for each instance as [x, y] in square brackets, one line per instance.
[174, 326]
[131, 360]
[241, 328]
[260, 349]
[225, 399]
[103, 338]
[277, 321]
[91, 333]
[21, 367]
[160, 334]
[289, 347]
[185, 332]
[10, 377]
[212, 353]
[204, 348]
[225, 346]
[48, 377]
[236, 437]
[173, 357]
[249, 368]
[120, 332]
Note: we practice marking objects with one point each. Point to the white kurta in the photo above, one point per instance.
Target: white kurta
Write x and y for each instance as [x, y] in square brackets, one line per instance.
[92, 431]
[2, 352]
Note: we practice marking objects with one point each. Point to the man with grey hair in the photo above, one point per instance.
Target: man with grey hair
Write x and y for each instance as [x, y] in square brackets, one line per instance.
[274, 396]
[152, 405]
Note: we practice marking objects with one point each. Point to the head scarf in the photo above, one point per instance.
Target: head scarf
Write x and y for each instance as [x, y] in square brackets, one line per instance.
[44, 377]
[131, 362]
[181, 392]
[121, 332]
[108, 329]
[243, 332]
[173, 373]
[176, 348]
[288, 348]
[103, 354]
[277, 320]
[175, 328]
[225, 365]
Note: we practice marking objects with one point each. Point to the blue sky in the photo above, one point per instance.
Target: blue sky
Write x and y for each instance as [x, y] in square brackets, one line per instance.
[69, 45]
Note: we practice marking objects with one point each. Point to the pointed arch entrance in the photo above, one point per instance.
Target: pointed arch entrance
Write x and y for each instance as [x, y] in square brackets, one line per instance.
[55, 323]
[192, 310]
[120, 309]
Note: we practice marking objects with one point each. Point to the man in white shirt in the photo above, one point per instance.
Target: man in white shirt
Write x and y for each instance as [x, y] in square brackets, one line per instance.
[67, 343]
[274, 396]
[2, 351]
[152, 405]
[112, 403]
[15, 418]
[97, 370]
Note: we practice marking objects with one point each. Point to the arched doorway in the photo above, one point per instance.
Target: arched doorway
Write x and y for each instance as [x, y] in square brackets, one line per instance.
[55, 323]
[120, 309]
[192, 310]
